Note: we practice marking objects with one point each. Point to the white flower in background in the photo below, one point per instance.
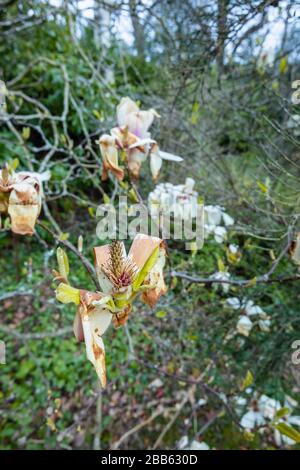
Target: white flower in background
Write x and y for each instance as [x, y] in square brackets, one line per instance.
[293, 123]
[221, 276]
[184, 444]
[244, 325]
[180, 200]
[252, 419]
[214, 217]
[132, 137]
[250, 310]
[262, 411]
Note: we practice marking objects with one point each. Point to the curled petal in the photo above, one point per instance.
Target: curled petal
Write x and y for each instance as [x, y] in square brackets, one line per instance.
[170, 156]
[95, 319]
[109, 154]
[155, 278]
[135, 160]
[78, 328]
[155, 164]
[142, 248]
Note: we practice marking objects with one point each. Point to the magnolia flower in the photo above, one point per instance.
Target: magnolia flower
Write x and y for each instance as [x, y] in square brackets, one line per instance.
[214, 216]
[263, 411]
[244, 325]
[250, 309]
[184, 444]
[21, 198]
[121, 278]
[221, 276]
[132, 137]
[180, 200]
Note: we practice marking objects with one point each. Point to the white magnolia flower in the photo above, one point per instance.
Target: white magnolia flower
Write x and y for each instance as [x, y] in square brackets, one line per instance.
[269, 407]
[234, 303]
[214, 217]
[234, 249]
[250, 309]
[221, 276]
[180, 200]
[244, 325]
[263, 411]
[220, 234]
[252, 419]
[184, 444]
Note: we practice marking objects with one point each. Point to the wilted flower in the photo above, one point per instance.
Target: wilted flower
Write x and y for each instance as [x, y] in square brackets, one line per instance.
[21, 198]
[122, 278]
[133, 141]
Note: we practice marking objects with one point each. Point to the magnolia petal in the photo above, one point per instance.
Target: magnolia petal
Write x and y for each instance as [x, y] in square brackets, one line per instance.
[124, 108]
[95, 321]
[78, 328]
[135, 160]
[170, 156]
[244, 325]
[142, 143]
[142, 248]
[155, 278]
[101, 257]
[109, 154]
[155, 164]
[95, 350]
[139, 122]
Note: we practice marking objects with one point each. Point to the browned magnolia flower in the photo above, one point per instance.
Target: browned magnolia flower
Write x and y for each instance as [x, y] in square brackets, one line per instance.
[21, 198]
[133, 141]
[122, 278]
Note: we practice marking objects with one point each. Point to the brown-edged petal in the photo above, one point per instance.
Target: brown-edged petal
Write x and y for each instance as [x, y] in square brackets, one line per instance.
[142, 248]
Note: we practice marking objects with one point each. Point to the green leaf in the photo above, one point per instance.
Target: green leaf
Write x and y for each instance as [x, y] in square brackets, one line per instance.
[160, 314]
[63, 263]
[282, 412]
[25, 368]
[288, 431]
[248, 380]
[26, 133]
[64, 236]
[67, 294]
[146, 269]
[106, 199]
[13, 164]
[262, 187]
[221, 266]
[283, 65]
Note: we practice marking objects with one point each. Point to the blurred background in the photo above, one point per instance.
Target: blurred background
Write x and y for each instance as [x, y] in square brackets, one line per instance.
[185, 374]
